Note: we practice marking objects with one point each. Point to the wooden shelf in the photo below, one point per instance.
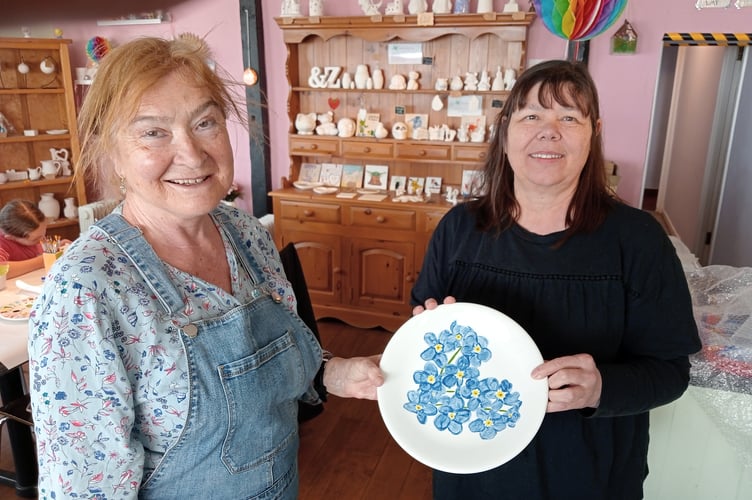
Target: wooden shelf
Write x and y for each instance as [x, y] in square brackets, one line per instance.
[360, 257]
[41, 102]
[128, 22]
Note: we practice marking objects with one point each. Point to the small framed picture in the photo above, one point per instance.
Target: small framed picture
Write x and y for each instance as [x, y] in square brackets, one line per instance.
[310, 172]
[376, 177]
[433, 185]
[415, 121]
[415, 185]
[352, 176]
[472, 182]
[367, 125]
[331, 174]
[397, 182]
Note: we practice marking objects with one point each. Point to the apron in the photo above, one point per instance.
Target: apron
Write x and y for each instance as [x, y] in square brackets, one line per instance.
[248, 367]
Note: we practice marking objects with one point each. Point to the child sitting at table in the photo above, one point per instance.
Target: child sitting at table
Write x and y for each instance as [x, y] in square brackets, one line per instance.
[22, 227]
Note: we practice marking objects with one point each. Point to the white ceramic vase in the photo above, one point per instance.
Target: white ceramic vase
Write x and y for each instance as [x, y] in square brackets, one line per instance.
[378, 79]
[361, 76]
[49, 206]
[70, 210]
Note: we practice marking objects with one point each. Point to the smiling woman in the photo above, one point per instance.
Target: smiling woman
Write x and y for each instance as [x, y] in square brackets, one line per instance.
[177, 307]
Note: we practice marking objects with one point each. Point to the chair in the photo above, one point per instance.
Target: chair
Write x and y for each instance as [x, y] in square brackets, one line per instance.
[90, 213]
[294, 271]
[15, 413]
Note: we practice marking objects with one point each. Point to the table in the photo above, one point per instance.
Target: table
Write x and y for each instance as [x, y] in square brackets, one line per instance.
[13, 356]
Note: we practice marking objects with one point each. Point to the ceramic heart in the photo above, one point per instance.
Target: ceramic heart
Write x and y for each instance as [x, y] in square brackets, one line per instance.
[333, 103]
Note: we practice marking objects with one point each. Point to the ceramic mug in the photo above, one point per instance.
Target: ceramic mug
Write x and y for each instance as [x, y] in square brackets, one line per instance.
[3, 177]
[50, 168]
[34, 173]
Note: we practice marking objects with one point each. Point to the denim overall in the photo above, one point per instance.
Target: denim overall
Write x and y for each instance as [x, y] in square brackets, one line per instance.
[248, 367]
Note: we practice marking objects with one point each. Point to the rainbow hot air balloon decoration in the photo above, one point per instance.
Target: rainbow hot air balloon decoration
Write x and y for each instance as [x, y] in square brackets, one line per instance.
[578, 20]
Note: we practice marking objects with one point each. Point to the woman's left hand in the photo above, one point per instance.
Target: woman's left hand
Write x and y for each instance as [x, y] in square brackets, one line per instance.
[353, 377]
[574, 382]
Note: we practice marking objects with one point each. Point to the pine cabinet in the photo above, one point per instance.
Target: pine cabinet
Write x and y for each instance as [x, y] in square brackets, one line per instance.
[361, 258]
[41, 103]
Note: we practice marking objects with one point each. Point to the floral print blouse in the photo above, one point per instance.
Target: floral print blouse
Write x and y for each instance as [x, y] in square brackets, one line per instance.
[109, 376]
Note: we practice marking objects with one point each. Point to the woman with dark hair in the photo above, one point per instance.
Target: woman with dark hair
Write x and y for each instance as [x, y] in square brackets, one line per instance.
[596, 283]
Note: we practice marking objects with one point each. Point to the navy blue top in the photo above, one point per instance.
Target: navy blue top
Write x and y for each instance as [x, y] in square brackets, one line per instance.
[619, 294]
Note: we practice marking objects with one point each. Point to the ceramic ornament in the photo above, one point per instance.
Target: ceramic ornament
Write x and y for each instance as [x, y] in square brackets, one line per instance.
[394, 8]
[370, 7]
[436, 103]
[417, 7]
[441, 6]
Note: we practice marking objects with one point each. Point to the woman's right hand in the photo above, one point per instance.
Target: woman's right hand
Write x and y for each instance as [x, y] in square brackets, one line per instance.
[432, 304]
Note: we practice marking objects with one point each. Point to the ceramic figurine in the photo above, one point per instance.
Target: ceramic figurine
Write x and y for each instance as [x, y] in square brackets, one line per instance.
[290, 8]
[370, 7]
[397, 82]
[399, 131]
[315, 8]
[346, 127]
[484, 6]
[441, 6]
[471, 81]
[461, 7]
[456, 83]
[511, 6]
[305, 123]
[361, 76]
[394, 7]
[412, 83]
[485, 81]
[417, 6]
[498, 81]
[509, 79]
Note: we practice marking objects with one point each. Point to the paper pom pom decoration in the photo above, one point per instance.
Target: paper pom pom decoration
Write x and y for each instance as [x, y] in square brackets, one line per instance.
[579, 19]
[97, 48]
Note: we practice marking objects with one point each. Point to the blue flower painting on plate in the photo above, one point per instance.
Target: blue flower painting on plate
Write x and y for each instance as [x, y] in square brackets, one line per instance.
[452, 391]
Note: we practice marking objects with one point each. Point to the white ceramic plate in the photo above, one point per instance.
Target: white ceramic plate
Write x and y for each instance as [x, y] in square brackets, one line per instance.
[18, 310]
[57, 131]
[484, 421]
[368, 191]
[325, 190]
[306, 185]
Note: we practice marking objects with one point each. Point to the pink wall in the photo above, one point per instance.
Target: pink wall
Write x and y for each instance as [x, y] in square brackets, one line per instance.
[626, 83]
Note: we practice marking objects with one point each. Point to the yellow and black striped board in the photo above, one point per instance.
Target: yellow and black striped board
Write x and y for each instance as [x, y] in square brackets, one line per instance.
[721, 39]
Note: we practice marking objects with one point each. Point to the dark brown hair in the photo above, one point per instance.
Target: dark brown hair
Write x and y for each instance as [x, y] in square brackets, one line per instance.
[20, 217]
[568, 84]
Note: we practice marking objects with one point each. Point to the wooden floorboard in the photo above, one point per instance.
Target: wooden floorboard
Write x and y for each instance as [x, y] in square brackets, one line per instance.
[346, 453]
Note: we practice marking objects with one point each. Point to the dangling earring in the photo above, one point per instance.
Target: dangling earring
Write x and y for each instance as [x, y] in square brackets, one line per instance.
[122, 185]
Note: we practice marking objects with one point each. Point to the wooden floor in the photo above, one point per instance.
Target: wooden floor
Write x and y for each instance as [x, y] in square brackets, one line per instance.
[346, 452]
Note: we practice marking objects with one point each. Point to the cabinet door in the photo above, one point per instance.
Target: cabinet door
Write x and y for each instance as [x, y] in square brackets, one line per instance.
[321, 258]
[381, 275]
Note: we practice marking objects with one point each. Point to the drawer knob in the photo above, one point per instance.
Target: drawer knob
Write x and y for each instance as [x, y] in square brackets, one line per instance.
[482, 155]
[307, 213]
[380, 219]
[314, 146]
[367, 211]
[422, 152]
[409, 278]
[366, 149]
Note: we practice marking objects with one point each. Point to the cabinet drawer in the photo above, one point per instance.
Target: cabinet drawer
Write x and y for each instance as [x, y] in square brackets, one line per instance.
[470, 153]
[312, 145]
[431, 220]
[419, 151]
[382, 217]
[312, 212]
[368, 149]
